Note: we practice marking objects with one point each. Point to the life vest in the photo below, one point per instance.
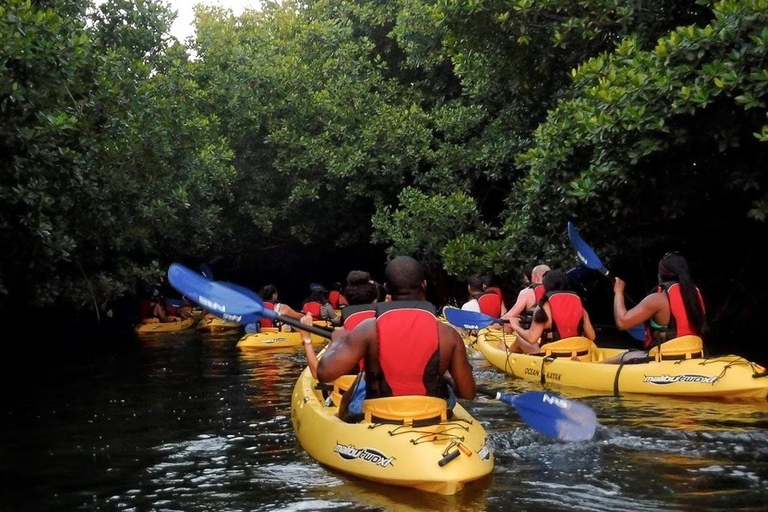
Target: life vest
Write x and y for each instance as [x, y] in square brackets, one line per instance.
[146, 308]
[496, 290]
[333, 298]
[409, 352]
[352, 316]
[313, 308]
[679, 324]
[266, 322]
[567, 316]
[490, 304]
[526, 317]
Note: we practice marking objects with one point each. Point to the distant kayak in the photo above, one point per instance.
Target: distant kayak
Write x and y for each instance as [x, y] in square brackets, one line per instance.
[165, 326]
[212, 323]
[271, 338]
[679, 371]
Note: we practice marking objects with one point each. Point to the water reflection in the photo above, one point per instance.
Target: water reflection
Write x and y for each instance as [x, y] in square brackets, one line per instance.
[187, 422]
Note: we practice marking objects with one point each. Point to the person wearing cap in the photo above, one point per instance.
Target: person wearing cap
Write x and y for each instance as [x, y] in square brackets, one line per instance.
[318, 305]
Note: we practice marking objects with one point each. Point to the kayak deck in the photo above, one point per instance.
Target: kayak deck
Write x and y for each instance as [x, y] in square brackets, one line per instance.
[395, 454]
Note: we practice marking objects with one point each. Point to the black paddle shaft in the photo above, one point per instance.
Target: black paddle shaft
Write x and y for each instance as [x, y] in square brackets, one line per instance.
[325, 333]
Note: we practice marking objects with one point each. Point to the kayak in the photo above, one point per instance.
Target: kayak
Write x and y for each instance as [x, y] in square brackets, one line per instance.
[438, 455]
[165, 326]
[677, 370]
[212, 323]
[271, 338]
[468, 337]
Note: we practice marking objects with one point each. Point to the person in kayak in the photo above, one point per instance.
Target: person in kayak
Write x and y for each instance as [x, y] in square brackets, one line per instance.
[559, 314]
[362, 293]
[489, 286]
[406, 350]
[481, 301]
[526, 301]
[269, 295]
[675, 309]
[317, 304]
[336, 298]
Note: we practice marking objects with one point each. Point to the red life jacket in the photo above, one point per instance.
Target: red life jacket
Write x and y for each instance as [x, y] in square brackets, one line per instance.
[496, 290]
[490, 304]
[314, 308]
[352, 316]
[333, 298]
[538, 291]
[266, 322]
[526, 317]
[567, 315]
[679, 324]
[409, 352]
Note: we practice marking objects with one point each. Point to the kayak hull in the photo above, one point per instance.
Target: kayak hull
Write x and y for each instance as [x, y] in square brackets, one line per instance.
[726, 377]
[212, 323]
[162, 327]
[271, 338]
[393, 454]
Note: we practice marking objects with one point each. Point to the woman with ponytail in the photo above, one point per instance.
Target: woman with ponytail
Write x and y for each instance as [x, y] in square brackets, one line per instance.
[675, 309]
[559, 314]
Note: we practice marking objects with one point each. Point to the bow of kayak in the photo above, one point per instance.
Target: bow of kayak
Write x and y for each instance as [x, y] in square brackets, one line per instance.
[440, 456]
[165, 326]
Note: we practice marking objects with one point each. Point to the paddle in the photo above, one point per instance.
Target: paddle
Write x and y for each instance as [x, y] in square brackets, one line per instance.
[550, 414]
[232, 305]
[206, 271]
[591, 260]
[227, 303]
[470, 320]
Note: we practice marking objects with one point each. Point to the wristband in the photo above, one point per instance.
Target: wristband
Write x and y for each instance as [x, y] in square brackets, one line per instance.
[307, 341]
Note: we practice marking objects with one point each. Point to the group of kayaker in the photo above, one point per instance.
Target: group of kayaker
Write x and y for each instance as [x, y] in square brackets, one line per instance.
[545, 311]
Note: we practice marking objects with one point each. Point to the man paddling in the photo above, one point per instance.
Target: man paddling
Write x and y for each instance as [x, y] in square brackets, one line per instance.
[405, 349]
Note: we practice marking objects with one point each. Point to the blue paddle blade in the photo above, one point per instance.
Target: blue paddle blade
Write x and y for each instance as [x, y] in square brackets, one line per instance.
[245, 291]
[220, 300]
[554, 415]
[207, 272]
[637, 332]
[470, 320]
[585, 252]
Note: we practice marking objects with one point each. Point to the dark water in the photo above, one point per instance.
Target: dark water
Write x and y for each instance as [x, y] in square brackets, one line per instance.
[186, 422]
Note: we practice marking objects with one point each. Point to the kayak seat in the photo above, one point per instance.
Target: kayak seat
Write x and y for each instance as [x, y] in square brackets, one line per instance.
[577, 346]
[684, 347]
[340, 386]
[414, 411]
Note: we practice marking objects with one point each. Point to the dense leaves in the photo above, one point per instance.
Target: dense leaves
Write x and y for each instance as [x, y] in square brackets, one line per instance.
[465, 132]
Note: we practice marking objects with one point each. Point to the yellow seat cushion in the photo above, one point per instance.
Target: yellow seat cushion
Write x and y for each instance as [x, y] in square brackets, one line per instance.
[340, 386]
[577, 346]
[684, 347]
[405, 409]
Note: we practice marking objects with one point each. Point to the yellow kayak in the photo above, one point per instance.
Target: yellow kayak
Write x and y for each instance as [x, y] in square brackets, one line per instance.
[271, 338]
[165, 326]
[441, 456]
[678, 370]
[212, 323]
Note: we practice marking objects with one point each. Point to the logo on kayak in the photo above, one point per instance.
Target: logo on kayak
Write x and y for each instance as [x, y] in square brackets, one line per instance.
[274, 340]
[674, 379]
[349, 452]
[210, 304]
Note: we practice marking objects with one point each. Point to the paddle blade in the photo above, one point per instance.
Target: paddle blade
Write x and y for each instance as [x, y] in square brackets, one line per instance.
[585, 252]
[220, 300]
[207, 272]
[470, 320]
[554, 415]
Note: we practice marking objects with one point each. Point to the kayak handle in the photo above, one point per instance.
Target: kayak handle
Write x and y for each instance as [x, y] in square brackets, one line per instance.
[448, 458]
